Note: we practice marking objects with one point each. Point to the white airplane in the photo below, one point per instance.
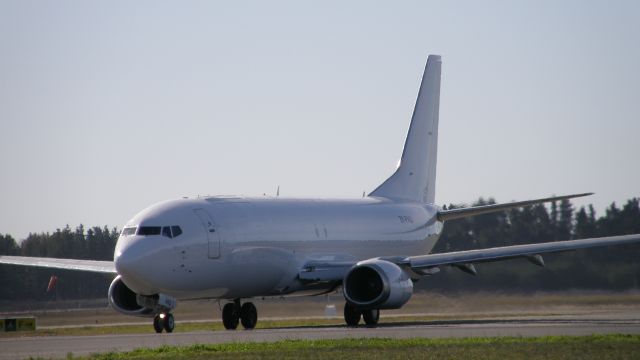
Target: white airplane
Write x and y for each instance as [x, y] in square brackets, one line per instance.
[233, 248]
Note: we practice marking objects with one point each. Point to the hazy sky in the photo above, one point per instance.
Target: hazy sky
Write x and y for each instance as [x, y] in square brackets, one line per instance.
[107, 107]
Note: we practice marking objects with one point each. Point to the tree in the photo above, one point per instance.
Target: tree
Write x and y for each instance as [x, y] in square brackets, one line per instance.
[612, 268]
[585, 226]
[8, 245]
[553, 220]
[565, 220]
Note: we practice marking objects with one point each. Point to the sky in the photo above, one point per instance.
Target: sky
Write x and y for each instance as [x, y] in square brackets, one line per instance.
[107, 107]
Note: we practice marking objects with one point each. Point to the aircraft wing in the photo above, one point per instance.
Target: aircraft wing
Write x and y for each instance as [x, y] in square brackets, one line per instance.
[465, 259]
[66, 264]
[444, 215]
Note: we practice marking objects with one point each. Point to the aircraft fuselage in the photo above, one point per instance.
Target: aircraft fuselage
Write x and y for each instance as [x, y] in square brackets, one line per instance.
[247, 247]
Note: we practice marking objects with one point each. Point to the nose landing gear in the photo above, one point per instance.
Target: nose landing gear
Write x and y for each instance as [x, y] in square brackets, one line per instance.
[233, 313]
[164, 321]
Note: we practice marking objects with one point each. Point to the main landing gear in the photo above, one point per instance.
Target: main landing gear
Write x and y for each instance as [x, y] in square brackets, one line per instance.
[163, 321]
[352, 315]
[233, 313]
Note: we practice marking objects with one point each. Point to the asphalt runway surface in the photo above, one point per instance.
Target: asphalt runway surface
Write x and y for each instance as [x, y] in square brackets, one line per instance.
[587, 324]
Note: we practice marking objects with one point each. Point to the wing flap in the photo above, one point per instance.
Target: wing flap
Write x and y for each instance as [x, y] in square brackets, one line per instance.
[66, 264]
[515, 251]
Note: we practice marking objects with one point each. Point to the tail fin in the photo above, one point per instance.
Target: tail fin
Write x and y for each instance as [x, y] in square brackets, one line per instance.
[415, 178]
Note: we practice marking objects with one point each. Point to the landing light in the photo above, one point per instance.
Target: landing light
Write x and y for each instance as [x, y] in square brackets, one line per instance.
[162, 316]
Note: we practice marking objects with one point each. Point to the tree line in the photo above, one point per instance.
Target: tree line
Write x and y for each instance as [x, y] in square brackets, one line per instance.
[607, 268]
[19, 282]
[610, 268]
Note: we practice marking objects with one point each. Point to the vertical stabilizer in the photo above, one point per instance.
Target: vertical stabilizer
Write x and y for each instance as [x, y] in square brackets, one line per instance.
[415, 178]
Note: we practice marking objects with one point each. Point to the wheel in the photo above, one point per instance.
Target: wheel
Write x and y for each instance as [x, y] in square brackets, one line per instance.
[371, 316]
[248, 315]
[351, 315]
[169, 323]
[230, 316]
[158, 325]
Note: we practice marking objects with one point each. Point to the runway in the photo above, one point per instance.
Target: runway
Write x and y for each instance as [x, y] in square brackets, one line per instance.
[60, 346]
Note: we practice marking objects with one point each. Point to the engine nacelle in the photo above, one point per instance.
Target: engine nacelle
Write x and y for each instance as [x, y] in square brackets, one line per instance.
[377, 284]
[128, 302]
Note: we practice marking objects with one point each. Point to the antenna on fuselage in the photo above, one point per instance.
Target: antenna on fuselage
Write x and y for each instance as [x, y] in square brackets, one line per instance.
[278, 191]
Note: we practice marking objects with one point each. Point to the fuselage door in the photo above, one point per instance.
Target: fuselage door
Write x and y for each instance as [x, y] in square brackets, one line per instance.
[210, 229]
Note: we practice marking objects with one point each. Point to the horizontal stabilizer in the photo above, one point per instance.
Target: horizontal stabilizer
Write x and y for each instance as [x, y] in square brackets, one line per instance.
[444, 215]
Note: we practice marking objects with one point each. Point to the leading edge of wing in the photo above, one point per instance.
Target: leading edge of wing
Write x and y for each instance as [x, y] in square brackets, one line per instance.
[444, 215]
[66, 264]
[514, 251]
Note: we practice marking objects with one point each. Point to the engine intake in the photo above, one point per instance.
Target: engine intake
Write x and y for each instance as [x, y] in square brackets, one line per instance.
[126, 301]
[377, 284]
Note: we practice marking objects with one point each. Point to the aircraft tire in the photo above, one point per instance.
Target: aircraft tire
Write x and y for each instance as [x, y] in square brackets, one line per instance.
[169, 323]
[230, 316]
[351, 314]
[371, 317]
[248, 315]
[158, 325]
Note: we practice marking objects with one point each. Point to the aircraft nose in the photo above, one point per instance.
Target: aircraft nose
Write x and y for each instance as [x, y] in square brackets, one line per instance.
[126, 261]
[131, 263]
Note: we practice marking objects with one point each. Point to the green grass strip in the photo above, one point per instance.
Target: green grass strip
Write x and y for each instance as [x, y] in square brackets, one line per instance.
[551, 347]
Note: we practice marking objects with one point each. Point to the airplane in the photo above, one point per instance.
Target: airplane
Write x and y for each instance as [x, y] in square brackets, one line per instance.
[232, 248]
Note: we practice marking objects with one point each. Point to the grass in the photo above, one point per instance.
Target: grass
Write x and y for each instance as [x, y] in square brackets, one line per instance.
[466, 307]
[148, 328]
[565, 302]
[553, 347]
[217, 326]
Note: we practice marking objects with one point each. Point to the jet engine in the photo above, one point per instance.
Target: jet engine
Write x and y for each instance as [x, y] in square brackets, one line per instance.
[126, 301]
[377, 284]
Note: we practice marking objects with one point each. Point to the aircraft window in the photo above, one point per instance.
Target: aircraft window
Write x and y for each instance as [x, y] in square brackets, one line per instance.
[128, 231]
[149, 230]
[176, 230]
[166, 231]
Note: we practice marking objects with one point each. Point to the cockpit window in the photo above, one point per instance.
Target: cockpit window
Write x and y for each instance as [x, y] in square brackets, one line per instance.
[171, 231]
[128, 231]
[149, 230]
[166, 231]
[176, 230]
